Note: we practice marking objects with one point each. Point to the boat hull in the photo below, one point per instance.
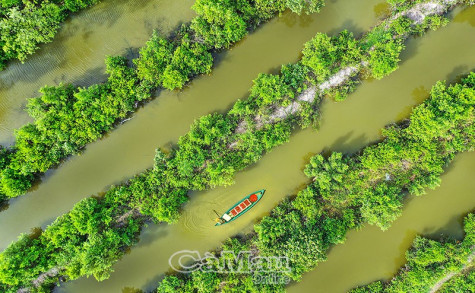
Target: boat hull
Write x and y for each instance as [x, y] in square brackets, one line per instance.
[242, 207]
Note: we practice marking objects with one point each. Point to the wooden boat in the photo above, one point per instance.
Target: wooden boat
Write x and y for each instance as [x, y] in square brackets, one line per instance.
[240, 207]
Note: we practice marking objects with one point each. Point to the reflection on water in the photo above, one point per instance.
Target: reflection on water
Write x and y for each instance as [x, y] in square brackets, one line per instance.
[382, 10]
[466, 16]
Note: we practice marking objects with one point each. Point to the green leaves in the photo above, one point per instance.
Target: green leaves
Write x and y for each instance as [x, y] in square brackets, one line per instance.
[326, 55]
[220, 23]
[268, 89]
[381, 205]
[329, 177]
[86, 241]
[14, 260]
[345, 191]
[429, 262]
[334, 166]
[154, 58]
[267, 8]
[163, 64]
[370, 186]
[25, 25]
[189, 59]
[384, 58]
[76, 5]
[307, 6]
[171, 284]
[307, 204]
[23, 30]
[67, 118]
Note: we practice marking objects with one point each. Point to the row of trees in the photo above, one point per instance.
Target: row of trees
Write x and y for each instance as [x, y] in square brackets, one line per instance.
[402, 5]
[26, 24]
[66, 118]
[430, 261]
[62, 125]
[217, 146]
[348, 191]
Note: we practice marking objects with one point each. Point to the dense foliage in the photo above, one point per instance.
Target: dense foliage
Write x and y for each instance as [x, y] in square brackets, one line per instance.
[26, 24]
[215, 148]
[464, 282]
[349, 191]
[67, 118]
[446, 264]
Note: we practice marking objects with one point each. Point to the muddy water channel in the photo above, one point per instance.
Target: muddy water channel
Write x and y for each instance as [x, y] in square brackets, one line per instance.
[77, 53]
[371, 254]
[131, 147]
[346, 127]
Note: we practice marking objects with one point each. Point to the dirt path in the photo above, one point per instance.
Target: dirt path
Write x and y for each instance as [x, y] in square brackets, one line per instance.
[420, 11]
[417, 13]
[449, 276]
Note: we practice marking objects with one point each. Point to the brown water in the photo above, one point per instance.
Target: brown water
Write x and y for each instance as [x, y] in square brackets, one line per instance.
[131, 147]
[77, 53]
[371, 254]
[346, 127]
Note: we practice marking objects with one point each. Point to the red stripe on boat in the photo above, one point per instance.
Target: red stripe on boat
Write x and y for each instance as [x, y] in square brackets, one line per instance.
[247, 202]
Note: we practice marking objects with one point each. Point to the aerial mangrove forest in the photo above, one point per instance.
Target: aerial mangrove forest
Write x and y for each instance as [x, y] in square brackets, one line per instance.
[344, 191]
[350, 191]
[434, 266]
[66, 117]
[24, 25]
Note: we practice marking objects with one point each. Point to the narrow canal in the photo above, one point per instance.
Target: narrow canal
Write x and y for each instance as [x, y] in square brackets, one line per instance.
[77, 53]
[131, 147]
[345, 127]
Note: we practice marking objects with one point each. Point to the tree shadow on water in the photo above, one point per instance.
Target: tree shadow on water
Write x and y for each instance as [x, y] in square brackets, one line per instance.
[382, 10]
[131, 290]
[152, 283]
[410, 51]
[346, 144]
[4, 205]
[151, 233]
[408, 238]
[90, 77]
[454, 224]
[47, 59]
[348, 25]
[459, 72]
[337, 143]
[467, 15]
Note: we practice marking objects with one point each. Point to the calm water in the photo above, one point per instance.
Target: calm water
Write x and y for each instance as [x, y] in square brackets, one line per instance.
[371, 254]
[130, 149]
[346, 127]
[77, 53]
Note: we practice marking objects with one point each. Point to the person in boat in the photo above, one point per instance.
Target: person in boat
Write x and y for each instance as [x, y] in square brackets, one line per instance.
[225, 218]
[238, 209]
